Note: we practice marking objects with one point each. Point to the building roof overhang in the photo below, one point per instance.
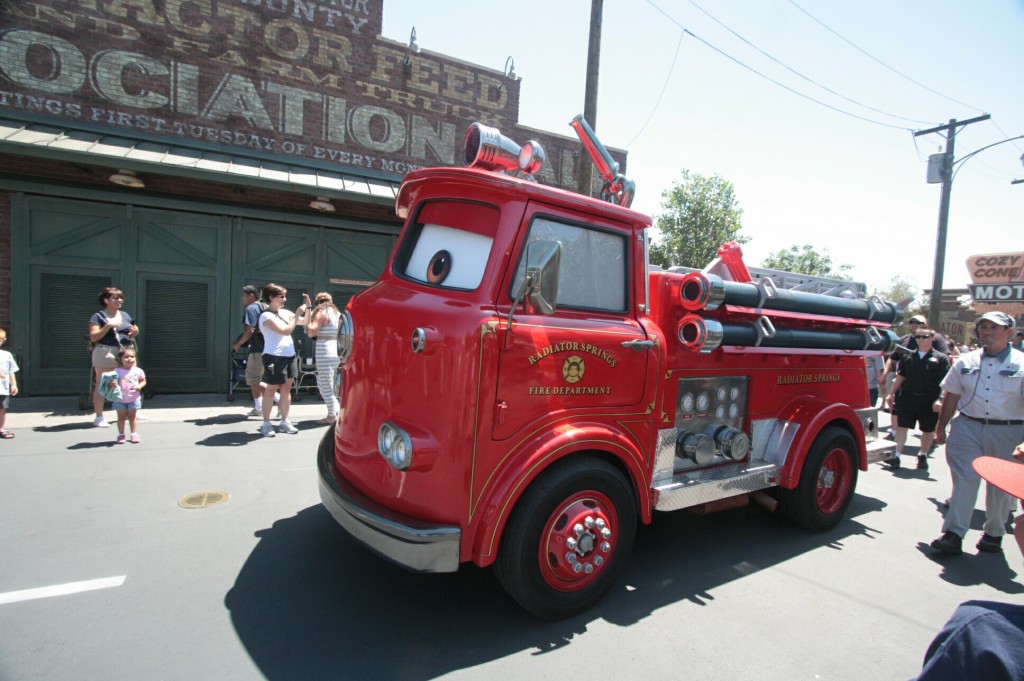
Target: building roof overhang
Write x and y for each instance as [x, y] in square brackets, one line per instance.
[60, 142]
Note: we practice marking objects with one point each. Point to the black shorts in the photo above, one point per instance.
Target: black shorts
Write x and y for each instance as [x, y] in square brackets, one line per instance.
[277, 370]
[5, 401]
[911, 409]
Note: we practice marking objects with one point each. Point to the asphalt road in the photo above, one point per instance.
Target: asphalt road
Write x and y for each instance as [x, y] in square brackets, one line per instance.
[266, 586]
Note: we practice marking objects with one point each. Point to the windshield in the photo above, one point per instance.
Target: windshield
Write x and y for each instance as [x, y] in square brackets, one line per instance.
[593, 272]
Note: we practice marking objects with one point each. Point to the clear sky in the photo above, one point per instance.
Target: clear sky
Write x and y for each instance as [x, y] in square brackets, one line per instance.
[803, 173]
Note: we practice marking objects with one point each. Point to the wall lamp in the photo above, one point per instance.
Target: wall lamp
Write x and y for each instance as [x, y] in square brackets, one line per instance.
[127, 178]
[322, 204]
[510, 72]
[414, 47]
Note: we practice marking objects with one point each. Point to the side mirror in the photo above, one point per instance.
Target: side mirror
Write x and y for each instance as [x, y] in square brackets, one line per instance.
[540, 286]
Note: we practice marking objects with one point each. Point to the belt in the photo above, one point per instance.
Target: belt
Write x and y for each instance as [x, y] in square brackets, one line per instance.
[995, 422]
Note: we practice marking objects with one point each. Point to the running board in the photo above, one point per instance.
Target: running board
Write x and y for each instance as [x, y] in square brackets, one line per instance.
[694, 488]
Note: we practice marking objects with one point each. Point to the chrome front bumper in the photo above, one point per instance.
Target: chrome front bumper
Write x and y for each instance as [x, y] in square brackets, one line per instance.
[416, 545]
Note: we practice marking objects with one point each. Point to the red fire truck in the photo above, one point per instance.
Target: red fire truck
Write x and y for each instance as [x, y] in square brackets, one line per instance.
[520, 387]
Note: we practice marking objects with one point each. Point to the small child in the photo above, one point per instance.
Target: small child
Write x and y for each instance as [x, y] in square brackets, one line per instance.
[8, 384]
[131, 379]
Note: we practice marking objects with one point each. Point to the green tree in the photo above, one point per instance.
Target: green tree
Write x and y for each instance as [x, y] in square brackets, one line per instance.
[806, 260]
[907, 296]
[699, 215]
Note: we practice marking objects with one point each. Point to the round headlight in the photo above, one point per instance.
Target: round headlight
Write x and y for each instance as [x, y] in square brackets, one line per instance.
[395, 445]
[399, 454]
[385, 438]
[346, 331]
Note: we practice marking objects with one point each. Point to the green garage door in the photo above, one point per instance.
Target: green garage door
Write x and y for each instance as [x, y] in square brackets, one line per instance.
[306, 259]
[168, 263]
[182, 274]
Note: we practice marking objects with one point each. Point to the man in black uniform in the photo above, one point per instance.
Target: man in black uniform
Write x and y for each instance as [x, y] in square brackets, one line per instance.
[892, 362]
[914, 392]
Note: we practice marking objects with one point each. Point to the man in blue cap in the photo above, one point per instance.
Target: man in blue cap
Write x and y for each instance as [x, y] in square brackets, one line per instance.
[987, 386]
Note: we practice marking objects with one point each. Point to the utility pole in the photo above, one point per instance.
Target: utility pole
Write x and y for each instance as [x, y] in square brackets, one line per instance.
[947, 188]
[586, 168]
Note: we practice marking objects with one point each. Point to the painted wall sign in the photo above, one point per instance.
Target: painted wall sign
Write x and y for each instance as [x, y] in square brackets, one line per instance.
[307, 78]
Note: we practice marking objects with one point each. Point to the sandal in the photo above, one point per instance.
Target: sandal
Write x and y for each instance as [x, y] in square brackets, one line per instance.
[6, 434]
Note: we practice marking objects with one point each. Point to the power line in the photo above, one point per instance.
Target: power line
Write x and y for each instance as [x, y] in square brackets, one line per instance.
[664, 87]
[1006, 134]
[797, 73]
[879, 61]
[772, 80]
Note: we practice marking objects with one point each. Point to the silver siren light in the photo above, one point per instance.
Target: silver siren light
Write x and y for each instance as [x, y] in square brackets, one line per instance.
[617, 187]
[485, 148]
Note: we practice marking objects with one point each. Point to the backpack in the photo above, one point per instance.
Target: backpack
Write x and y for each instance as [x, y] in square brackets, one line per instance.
[257, 335]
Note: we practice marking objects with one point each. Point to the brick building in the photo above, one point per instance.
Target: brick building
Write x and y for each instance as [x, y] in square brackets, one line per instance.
[180, 149]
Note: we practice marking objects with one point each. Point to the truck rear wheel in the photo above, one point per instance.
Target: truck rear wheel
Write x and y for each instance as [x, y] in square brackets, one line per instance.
[567, 539]
[827, 482]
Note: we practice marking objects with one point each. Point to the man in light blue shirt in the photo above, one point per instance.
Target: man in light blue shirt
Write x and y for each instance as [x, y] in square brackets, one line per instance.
[987, 387]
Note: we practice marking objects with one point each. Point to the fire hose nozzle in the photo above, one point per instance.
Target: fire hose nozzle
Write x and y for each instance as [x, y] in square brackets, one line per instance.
[700, 291]
[697, 334]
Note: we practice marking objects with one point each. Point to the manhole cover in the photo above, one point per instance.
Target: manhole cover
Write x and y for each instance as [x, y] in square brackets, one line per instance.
[203, 499]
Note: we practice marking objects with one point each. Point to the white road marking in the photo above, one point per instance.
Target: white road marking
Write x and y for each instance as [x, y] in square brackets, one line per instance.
[61, 589]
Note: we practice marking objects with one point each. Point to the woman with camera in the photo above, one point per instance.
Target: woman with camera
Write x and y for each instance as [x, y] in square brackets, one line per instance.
[110, 329]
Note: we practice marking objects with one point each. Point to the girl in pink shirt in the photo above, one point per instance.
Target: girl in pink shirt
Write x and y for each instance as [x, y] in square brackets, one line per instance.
[131, 379]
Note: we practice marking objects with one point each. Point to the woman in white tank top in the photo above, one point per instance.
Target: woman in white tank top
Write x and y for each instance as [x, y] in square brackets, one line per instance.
[279, 362]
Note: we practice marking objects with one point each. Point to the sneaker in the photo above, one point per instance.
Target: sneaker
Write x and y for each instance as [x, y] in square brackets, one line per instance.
[100, 422]
[287, 427]
[277, 416]
[990, 544]
[254, 412]
[892, 464]
[890, 436]
[135, 439]
[922, 462]
[949, 543]
[119, 440]
[267, 429]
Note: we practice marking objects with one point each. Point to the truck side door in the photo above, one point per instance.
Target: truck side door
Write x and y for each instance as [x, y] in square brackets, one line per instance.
[579, 357]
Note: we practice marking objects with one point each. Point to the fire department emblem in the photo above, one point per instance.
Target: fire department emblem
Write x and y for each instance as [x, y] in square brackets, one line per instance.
[573, 368]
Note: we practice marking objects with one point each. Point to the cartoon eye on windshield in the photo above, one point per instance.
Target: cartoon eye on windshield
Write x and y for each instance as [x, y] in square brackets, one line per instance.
[449, 257]
[439, 267]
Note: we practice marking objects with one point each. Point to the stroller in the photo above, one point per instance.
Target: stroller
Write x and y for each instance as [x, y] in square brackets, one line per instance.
[236, 383]
[306, 380]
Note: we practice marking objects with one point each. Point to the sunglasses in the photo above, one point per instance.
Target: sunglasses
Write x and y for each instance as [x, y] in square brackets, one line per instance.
[922, 336]
[116, 297]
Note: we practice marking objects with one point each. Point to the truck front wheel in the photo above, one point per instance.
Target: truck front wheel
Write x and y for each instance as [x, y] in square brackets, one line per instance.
[827, 482]
[567, 539]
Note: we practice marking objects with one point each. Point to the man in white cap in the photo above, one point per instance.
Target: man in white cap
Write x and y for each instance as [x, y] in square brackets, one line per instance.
[987, 386]
[984, 639]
